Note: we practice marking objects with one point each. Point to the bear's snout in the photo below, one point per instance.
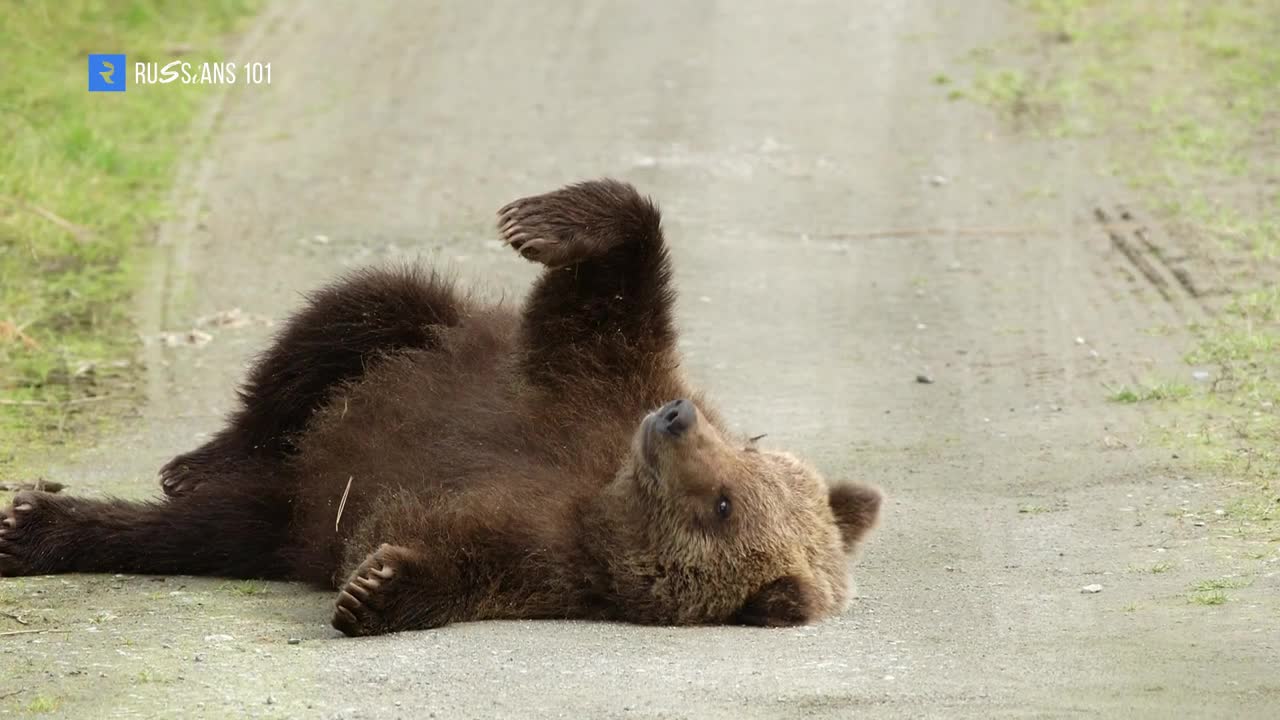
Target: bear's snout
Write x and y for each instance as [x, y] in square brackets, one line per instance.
[676, 418]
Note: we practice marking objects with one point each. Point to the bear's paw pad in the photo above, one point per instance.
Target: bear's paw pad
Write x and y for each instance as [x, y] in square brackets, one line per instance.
[568, 225]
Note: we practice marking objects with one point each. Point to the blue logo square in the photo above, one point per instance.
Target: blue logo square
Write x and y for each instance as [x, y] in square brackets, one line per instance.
[107, 73]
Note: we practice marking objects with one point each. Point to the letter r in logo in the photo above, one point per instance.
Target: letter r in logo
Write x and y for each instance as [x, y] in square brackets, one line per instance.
[107, 73]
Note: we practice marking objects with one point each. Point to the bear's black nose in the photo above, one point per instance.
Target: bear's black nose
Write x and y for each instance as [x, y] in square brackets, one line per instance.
[676, 417]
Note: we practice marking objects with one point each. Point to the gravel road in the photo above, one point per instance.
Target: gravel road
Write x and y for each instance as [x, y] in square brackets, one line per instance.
[839, 228]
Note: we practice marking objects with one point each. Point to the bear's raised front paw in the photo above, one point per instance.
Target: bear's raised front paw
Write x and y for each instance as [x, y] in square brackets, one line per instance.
[574, 223]
[364, 601]
[19, 534]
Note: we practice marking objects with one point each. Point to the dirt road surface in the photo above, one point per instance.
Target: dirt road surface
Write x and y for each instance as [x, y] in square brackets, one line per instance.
[840, 227]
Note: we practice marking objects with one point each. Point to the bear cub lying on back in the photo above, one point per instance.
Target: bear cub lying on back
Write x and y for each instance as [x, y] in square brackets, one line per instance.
[438, 459]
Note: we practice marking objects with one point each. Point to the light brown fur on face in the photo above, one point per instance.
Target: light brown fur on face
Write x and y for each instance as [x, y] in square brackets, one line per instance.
[738, 518]
[436, 459]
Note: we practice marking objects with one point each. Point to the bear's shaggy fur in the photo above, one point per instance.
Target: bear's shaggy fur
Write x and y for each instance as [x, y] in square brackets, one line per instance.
[437, 459]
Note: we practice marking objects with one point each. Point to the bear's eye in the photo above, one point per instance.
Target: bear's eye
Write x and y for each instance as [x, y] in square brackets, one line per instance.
[723, 507]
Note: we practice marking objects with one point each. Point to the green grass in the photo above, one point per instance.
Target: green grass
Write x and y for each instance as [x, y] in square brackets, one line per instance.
[1241, 438]
[1212, 592]
[83, 180]
[1184, 98]
[1186, 88]
[244, 587]
[148, 677]
[1010, 90]
[42, 705]
[1152, 392]
[1212, 597]
[1221, 584]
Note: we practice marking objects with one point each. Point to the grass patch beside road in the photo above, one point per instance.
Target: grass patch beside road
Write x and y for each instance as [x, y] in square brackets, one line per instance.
[83, 180]
[1242, 433]
[1154, 391]
[1185, 97]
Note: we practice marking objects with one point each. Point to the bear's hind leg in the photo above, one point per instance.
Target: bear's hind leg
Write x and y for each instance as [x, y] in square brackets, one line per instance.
[343, 329]
[230, 534]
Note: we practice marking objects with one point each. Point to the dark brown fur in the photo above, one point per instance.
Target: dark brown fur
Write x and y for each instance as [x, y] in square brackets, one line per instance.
[441, 460]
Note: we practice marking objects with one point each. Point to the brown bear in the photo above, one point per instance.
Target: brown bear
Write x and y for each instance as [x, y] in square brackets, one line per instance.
[437, 459]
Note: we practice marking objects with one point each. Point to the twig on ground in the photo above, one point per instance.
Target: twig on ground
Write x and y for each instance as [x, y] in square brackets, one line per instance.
[15, 618]
[31, 632]
[10, 330]
[57, 403]
[79, 232]
[40, 484]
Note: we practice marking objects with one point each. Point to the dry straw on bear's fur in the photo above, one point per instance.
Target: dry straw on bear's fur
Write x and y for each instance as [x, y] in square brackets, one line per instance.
[439, 460]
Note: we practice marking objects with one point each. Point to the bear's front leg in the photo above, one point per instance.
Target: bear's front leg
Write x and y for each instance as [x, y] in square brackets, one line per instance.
[605, 301]
[420, 586]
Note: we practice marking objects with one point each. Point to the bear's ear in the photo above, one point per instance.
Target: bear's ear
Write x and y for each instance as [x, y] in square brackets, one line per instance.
[784, 601]
[856, 508]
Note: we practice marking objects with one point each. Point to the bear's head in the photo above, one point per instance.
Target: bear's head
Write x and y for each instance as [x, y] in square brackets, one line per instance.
[734, 533]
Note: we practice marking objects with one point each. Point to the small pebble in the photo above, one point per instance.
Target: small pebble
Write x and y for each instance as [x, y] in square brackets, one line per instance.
[295, 641]
[924, 379]
[1091, 589]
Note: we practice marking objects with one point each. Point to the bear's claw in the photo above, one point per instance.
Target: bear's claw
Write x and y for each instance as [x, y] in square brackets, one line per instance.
[363, 600]
[522, 226]
[177, 480]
